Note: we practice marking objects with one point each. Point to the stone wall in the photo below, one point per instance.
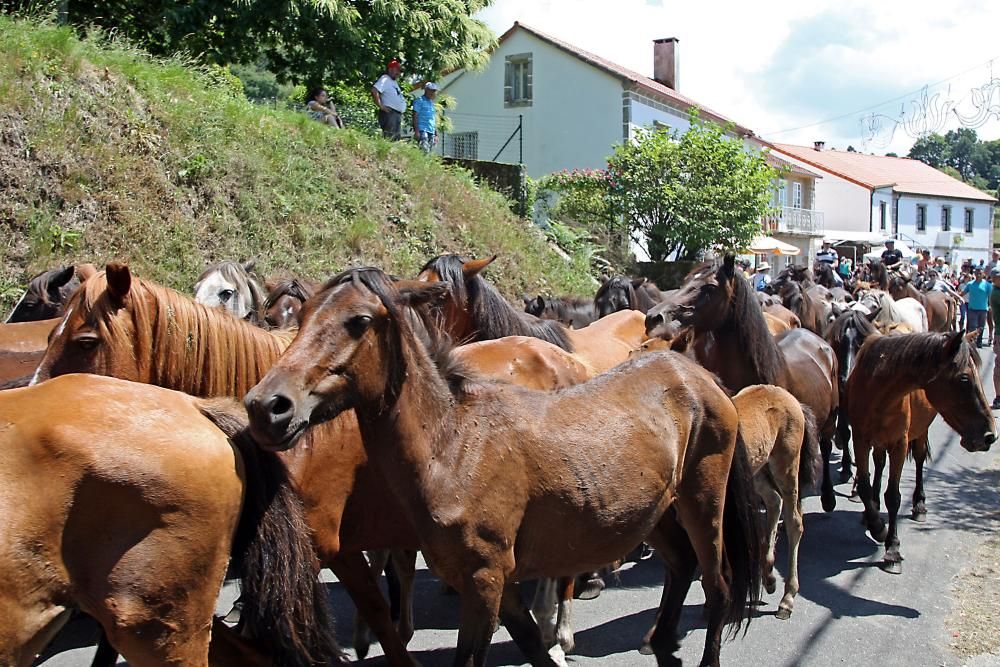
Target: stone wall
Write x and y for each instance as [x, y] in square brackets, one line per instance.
[510, 180]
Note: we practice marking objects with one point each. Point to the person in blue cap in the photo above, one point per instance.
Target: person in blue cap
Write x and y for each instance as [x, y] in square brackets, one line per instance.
[425, 118]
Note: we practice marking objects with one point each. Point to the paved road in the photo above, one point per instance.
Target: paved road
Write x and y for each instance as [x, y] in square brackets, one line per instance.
[849, 612]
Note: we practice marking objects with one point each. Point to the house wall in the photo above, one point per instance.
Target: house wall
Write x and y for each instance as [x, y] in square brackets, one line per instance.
[646, 112]
[878, 197]
[574, 120]
[977, 245]
[846, 206]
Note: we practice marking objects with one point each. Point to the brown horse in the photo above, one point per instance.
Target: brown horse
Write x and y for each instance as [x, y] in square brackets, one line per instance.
[490, 492]
[159, 336]
[125, 502]
[940, 307]
[732, 341]
[284, 300]
[778, 433]
[21, 348]
[888, 370]
[476, 311]
[48, 292]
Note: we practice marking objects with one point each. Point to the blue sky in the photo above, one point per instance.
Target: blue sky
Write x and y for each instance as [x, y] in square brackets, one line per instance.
[780, 65]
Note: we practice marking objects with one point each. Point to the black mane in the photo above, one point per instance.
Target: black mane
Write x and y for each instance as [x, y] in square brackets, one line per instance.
[746, 320]
[617, 282]
[491, 314]
[884, 356]
[847, 319]
[288, 287]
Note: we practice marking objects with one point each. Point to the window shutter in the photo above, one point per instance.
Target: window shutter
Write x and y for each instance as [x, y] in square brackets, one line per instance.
[527, 80]
[508, 82]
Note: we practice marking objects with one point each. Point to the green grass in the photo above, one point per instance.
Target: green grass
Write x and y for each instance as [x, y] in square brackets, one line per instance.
[107, 153]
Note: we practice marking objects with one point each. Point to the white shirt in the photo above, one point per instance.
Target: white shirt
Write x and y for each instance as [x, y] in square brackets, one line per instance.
[389, 92]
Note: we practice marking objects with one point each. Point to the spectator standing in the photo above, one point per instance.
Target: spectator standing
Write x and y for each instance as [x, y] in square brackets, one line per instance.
[994, 262]
[390, 101]
[924, 262]
[319, 107]
[978, 291]
[761, 277]
[845, 267]
[425, 118]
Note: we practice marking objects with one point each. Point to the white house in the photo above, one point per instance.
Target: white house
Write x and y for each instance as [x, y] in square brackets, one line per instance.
[865, 197]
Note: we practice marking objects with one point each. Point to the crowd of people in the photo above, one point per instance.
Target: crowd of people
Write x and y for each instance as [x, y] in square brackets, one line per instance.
[390, 102]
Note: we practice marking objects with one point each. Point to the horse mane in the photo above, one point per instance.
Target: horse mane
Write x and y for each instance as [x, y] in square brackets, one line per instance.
[847, 319]
[236, 273]
[182, 344]
[746, 320]
[792, 291]
[882, 357]
[879, 274]
[288, 287]
[491, 314]
[887, 314]
[618, 282]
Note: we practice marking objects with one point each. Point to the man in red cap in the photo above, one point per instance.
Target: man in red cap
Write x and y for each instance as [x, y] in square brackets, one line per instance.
[390, 101]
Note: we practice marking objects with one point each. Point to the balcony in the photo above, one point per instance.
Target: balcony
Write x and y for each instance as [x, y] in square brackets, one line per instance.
[789, 220]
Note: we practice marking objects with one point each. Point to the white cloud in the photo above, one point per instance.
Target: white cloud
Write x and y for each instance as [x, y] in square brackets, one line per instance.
[785, 64]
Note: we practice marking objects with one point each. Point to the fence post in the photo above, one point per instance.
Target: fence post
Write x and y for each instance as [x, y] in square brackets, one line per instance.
[520, 138]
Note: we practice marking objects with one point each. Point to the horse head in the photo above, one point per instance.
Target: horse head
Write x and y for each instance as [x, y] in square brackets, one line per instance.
[284, 302]
[617, 293]
[46, 295]
[231, 285]
[956, 391]
[703, 301]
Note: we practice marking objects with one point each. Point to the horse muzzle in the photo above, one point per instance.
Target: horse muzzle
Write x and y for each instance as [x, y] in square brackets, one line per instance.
[980, 444]
[273, 422]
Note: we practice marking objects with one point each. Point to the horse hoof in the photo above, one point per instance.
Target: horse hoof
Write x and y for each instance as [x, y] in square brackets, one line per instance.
[783, 614]
[829, 502]
[920, 516]
[854, 498]
[646, 649]
[557, 656]
[770, 585]
[592, 589]
[892, 566]
[361, 649]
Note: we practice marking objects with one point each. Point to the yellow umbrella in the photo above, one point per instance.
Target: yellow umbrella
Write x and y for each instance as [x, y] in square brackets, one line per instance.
[766, 245]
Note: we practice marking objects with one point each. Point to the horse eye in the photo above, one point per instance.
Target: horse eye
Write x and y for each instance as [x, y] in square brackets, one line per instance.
[964, 377]
[88, 342]
[358, 325]
[226, 294]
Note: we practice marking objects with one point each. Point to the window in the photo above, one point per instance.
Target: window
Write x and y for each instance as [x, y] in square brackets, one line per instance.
[881, 216]
[945, 218]
[465, 145]
[782, 193]
[969, 220]
[921, 218]
[796, 195]
[517, 80]
[895, 215]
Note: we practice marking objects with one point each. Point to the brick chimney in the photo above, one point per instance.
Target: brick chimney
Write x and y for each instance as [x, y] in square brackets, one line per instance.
[819, 145]
[666, 62]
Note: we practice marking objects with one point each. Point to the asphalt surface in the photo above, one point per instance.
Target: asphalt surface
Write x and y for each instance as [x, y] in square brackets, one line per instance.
[848, 612]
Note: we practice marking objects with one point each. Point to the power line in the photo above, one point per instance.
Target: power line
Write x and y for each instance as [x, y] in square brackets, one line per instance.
[881, 104]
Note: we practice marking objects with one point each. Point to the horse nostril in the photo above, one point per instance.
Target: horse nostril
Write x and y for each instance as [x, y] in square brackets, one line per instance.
[279, 406]
[653, 321]
[990, 438]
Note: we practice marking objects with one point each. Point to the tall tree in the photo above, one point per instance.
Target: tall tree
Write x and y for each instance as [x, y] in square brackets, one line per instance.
[932, 149]
[304, 41]
[682, 194]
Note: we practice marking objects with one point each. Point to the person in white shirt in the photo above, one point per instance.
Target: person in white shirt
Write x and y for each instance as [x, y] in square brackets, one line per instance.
[390, 101]
[761, 278]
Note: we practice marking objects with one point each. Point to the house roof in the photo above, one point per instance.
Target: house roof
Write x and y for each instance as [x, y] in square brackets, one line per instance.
[644, 83]
[904, 175]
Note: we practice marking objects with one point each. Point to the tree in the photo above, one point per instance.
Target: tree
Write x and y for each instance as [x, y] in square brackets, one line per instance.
[313, 42]
[963, 151]
[932, 149]
[682, 194]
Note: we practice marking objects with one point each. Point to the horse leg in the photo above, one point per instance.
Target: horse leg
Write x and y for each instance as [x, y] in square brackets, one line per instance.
[479, 606]
[772, 503]
[377, 560]
[106, 655]
[522, 628]
[893, 562]
[788, 487]
[592, 587]
[877, 527]
[829, 499]
[919, 449]
[564, 626]
[674, 546]
[353, 572]
[543, 608]
[843, 441]
[404, 563]
[879, 456]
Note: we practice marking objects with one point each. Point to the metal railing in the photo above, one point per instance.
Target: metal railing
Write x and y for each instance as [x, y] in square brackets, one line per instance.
[792, 220]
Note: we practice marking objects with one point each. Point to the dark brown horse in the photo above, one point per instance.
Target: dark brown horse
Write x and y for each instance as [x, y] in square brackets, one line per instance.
[124, 501]
[940, 307]
[284, 300]
[622, 292]
[492, 495]
[732, 340]
[48, 292]
[888, 370]
[570, 311]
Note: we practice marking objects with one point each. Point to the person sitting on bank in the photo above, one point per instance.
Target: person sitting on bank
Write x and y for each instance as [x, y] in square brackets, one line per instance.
[390, 101]
[319, 107]
[425, 118]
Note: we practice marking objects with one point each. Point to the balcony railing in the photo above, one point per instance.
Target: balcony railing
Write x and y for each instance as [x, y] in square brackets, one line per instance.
[791, 220]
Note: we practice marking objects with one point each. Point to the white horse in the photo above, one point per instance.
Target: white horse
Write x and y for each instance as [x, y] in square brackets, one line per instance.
[231, 285]
[882, 309]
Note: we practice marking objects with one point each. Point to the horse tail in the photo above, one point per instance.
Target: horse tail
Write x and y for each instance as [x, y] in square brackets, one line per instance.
[742, 535]
[284, 604]
[810, 459]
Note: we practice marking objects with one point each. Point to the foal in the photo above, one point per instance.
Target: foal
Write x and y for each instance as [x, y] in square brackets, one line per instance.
[490, 489]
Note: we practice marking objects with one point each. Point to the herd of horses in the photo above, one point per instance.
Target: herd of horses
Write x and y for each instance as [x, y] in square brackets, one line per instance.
[153, 442]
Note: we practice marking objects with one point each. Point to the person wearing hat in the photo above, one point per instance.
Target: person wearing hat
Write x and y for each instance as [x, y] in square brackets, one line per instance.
[425, 118]
[978, 293]
[891, 257]
[761, 278]
[390, 101]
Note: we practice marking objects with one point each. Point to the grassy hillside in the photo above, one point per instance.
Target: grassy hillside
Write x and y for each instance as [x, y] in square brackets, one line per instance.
[106, 153]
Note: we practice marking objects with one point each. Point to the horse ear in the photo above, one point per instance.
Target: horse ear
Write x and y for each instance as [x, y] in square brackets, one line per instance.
[729, 265]
[85, 271]
[417, 292]
[63, 276]
[972, 336]
[604, 279]
[540, 300]
[119, 280]
[954, 342]
[474, 266]
[250, 265]
[638, 282]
